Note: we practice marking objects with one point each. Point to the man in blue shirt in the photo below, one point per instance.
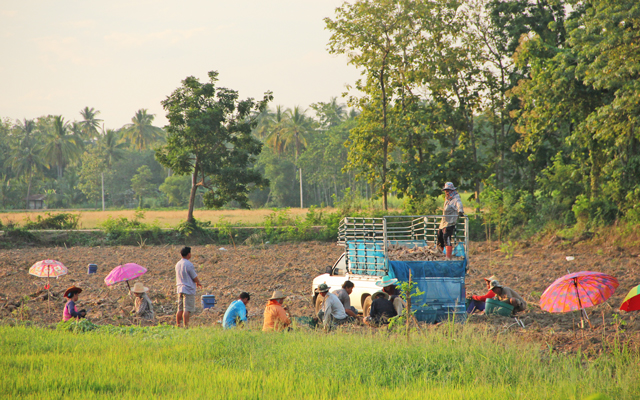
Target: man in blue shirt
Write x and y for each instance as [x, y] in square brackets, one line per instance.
[237, 311]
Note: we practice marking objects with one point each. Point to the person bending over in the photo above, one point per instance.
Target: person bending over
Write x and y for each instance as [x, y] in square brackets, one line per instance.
[237, 312]
[70, 309]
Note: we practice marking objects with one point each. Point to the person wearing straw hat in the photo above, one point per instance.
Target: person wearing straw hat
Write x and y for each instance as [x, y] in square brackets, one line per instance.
[388, 285]
[477, 303]
[70, 309]
[333, 312]
[275, 315]
[508, 295]
[382, 310]
[450, 212]
[143, 307]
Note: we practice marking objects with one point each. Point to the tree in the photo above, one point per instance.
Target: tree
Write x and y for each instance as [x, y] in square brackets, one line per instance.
[112, 148]
[60, 148]
[295, 134]
[90, 174]
[209, 137]
[90, 122]
[142, 185]
[177, 189]
[26, 162]
[140, 133]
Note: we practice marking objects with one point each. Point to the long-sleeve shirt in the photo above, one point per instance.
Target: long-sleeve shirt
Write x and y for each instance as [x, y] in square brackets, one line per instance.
[508, 293]
[452, 207]
[236, 311]
[275, 317]
[143, 307]
[70, 311]
[489, 295]
[332, 307]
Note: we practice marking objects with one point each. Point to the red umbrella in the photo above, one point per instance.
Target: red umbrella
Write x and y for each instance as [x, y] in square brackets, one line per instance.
[578, 291]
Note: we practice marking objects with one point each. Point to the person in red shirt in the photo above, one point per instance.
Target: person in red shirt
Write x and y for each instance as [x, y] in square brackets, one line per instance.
[477, 303]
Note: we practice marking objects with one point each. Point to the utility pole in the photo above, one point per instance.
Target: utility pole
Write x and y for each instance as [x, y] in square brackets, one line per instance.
[301, 205]
[102, 175]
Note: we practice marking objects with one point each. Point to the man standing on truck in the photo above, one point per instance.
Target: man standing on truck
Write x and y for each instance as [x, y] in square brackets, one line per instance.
[186, 282]
[343, 296]
[333, 312]
[451, 211]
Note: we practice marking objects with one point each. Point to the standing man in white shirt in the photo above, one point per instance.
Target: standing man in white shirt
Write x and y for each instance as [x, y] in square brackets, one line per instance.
[186, 282]
[332, 313]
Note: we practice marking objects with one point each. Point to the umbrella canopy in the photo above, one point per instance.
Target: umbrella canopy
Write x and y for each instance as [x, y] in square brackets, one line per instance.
[632, 301]
[48, 269]
[578, 291]
[124, 272]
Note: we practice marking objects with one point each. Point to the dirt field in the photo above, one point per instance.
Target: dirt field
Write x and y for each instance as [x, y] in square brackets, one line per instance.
[166, 219]
[291, 267]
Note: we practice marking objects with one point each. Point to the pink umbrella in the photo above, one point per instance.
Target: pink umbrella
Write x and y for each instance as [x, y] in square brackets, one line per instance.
[48, 269]
[125, 273]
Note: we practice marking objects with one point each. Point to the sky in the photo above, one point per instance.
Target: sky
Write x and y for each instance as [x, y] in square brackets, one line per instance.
[120, 56]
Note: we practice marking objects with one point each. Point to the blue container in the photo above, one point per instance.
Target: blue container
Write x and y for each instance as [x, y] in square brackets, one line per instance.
[92, 269]
[208, 301]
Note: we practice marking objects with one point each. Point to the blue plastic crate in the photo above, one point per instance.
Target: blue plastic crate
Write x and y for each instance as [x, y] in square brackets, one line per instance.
[208, 300]
[92, 269]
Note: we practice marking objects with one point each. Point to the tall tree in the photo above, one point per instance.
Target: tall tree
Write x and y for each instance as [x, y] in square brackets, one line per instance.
[26, 162]
[90, 123]
[209, 137]
[112, 148]
[60, 146]
[140, 133]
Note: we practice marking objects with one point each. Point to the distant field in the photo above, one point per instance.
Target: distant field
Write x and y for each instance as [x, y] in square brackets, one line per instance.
[166, 219]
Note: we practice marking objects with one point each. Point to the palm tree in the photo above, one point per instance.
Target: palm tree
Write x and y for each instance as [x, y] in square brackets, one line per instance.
[26, 162]
[111, 145]
[27, 129]
[89, 122]
[60, 147]
[275, 128]
[296, 130]
[140, 133]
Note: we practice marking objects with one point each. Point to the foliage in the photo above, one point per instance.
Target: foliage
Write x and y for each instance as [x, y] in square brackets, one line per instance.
[141, 184]
[177, 189]
[140, 133]
[53, 221]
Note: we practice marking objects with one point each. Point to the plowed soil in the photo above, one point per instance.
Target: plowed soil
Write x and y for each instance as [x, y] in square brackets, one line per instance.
[528, 269]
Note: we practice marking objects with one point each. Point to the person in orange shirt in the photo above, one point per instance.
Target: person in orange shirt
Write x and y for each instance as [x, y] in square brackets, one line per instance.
[275, 315]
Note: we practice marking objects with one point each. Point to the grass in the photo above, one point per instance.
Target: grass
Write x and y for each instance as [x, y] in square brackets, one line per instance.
[163, 362]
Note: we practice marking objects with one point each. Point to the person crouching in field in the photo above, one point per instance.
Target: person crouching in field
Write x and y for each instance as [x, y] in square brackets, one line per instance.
[508, 295]
[333, 312]
[343, 296]
[143, 307]
[275, 315]
[382, 310]
[237, 312]
[477, 303]
[70, 309]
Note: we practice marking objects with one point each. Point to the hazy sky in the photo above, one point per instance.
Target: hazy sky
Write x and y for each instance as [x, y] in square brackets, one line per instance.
[119, 56]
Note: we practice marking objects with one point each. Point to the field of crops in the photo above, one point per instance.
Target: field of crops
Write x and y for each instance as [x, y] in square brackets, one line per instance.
[164, 218]
[165, 362]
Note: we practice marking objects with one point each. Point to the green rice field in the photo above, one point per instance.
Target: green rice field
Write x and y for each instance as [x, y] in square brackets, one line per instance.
[207, 363]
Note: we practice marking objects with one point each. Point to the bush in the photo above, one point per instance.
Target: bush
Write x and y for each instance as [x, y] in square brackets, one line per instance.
[53, 221]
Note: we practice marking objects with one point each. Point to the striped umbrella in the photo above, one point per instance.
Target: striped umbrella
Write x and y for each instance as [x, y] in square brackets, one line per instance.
[578, 291]
[632, 301]
[48, 269]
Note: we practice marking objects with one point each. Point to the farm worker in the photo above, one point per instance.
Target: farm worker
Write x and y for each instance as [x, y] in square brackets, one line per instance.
[70, 309]
[237, 311]
[478, 302]
[382, 309]
[143, 307]
[450, 212]
[388, 285]
[333, 313]
[275, 315]
[508, 295]
[186, 282]
[343, 296]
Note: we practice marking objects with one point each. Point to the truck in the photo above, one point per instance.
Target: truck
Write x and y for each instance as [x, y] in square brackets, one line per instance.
[395, 245]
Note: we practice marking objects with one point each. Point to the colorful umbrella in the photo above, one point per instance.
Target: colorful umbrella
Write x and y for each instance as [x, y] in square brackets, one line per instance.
[124, 273]
[48, 269]
[578, 291]
[632, 301]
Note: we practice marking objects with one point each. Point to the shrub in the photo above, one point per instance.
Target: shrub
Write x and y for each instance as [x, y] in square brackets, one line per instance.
[53, 221]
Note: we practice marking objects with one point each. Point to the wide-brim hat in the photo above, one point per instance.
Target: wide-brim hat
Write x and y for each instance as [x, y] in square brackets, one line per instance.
[72, 289]
[386, 281]
[494, 284]
[449, 186]
[139, 288]
[277, 295]
[491, 278]
[375, 295]
[323, 288]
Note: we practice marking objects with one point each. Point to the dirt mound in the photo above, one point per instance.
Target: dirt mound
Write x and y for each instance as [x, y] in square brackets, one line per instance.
[291, 267]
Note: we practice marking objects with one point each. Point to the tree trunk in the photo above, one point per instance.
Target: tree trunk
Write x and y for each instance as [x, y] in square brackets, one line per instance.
[385, 143]
[28, 192]
[192, 195]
